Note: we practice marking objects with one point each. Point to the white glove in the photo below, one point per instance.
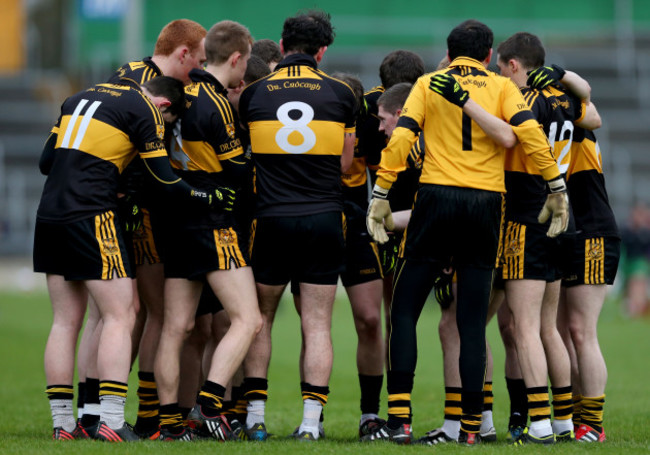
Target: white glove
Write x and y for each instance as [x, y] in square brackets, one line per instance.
[379, 216]
[556, 207]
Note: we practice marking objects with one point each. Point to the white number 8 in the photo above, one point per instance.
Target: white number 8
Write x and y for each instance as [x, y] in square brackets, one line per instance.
[299, 125]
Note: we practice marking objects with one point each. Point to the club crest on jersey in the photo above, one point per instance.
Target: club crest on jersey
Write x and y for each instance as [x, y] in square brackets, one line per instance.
[230, 129]
[160, 131]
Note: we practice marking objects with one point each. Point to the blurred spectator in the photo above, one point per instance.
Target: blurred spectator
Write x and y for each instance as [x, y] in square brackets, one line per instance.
[636, 267]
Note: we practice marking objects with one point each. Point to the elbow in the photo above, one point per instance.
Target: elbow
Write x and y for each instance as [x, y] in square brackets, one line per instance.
[509, 141]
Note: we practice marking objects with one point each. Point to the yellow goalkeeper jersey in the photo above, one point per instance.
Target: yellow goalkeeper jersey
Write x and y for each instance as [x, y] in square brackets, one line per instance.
[457, 151]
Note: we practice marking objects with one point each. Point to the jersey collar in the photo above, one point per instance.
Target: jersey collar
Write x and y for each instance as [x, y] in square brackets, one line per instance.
[199, 75]
[297, 59]
[466, 61]
[150, 63]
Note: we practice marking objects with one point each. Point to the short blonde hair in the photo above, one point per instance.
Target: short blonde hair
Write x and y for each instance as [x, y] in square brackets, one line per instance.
[224, 38]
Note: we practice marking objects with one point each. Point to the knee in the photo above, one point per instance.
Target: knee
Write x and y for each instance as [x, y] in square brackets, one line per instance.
[368, 325]
[507, 334]
[178, 327]
[578, 334]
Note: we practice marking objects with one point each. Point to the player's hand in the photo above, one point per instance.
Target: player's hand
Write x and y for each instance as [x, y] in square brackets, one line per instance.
[544, 76]
[130, 213]
[379, 215]
[222, 198]
[556, 207]
[447, 86]
[388, 254]
[442, 288]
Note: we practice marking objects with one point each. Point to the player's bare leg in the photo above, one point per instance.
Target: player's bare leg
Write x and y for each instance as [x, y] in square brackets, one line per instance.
[365, 299]
[68, 307]
[559, 364]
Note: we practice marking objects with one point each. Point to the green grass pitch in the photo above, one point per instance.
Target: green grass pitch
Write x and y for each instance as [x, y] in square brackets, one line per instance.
[25, 423]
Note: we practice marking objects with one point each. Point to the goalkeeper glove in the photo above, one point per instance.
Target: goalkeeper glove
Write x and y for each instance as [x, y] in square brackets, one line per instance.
[388, 254]
[442, 289]
[222, 198]
[556, 207]
[447, 86]
[130, 213]
[379, 214]
[544, 76]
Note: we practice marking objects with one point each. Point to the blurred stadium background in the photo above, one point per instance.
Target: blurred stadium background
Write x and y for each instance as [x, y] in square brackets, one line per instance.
[53, 48]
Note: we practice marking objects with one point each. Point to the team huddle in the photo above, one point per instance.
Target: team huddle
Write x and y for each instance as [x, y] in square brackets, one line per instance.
[185, 193]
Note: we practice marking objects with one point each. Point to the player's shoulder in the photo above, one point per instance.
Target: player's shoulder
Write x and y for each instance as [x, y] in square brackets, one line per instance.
[374, 93]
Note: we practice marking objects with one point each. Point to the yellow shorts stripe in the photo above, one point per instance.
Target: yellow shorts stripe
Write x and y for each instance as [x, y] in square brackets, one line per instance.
[595, 261]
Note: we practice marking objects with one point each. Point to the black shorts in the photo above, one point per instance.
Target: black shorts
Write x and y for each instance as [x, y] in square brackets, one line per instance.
[453, 225]
[90, 249]
[208, 303]
[306, 249]
[528, 253]
[595, 261]
[362, 262]
[192, 253]
[144, 246]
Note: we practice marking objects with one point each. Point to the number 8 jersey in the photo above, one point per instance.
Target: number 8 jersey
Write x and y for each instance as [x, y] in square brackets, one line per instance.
[297, 117]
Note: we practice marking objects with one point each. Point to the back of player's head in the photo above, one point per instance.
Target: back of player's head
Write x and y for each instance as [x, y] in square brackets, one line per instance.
[181, 32]
[525, 47]
[307, 32]
[170, 88]
[400, 66]
[255, 69]
[355, 84]
[268, 50]
[225, 38]
[395, 97]
[470, 39]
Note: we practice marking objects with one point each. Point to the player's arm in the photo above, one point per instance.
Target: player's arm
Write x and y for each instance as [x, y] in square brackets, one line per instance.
[47, 156]
[160, 169]
[347, 156]
[498, 130]
[393, 161]
[546, 75]
[535, 144]
[591, 119]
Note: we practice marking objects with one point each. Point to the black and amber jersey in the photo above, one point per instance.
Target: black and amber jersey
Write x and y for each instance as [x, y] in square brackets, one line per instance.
[556, 111]
[457, 151]
[355, 179]
[586, 185]
[99, 132]
[297, 117]
[137, 72]
[371, 140]
[207, 148]
[402, 194]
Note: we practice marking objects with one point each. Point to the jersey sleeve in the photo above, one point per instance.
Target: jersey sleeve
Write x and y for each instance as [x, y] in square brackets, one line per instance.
[409, 125]
[148, 130]
[529, 132]
[225, 137]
